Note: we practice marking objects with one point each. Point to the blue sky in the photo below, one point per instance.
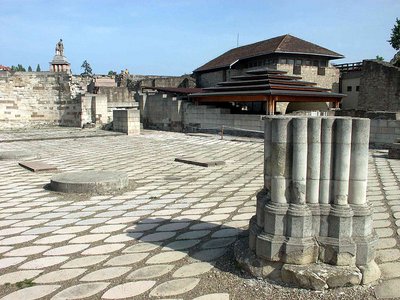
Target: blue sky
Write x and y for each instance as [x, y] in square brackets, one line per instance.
[174, 37]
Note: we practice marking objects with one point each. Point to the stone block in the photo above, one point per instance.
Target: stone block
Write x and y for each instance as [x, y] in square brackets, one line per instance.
[37, 166]
[320, 276]
[200, 161]
[270, 247]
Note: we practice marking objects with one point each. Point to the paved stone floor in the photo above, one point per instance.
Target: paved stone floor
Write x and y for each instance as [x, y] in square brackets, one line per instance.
[162, 239]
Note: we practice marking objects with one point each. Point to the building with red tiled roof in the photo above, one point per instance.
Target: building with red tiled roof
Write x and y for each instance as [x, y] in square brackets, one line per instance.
[4, 68]
[285, 53]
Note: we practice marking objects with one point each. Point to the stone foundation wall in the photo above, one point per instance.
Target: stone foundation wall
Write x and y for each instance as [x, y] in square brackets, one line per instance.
[161, 111]
[385, 126]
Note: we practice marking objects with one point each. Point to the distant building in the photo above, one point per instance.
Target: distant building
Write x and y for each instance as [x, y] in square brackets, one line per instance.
[350, 76]
[4, 68]
[284, 53]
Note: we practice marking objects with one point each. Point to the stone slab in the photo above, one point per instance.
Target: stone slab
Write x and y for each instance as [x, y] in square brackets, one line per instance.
[37, 166]
[89, 181]
[200, 161]
[18, 154]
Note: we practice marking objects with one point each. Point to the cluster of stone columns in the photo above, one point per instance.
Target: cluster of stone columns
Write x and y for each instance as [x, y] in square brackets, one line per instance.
[313, 206]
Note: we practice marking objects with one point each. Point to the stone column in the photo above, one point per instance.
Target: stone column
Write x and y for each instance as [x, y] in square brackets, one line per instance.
[313, 205]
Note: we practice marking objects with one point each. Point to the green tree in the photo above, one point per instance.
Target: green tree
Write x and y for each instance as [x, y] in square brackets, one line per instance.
[395, 36]
[38, 68]
[87, 69]
[29, 69]
[395, 43]
[379, 58]
[20, 68]
[112, 73]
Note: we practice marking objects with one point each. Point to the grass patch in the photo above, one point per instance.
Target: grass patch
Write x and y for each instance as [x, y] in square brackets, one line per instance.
[25, 283]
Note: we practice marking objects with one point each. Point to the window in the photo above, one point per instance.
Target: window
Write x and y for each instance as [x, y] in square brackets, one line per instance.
[321, 71]
[290, 61]
[349, 88]
[357, 88]
[297, 70]
[283, 61]
[307, 62]
[298, 62]
[315, 63]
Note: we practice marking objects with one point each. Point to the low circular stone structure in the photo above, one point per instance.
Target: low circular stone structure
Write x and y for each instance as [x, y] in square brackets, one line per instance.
[89, 182]
[16, 154]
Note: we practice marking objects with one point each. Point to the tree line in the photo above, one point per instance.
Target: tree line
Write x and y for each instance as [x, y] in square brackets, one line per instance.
[20, 68]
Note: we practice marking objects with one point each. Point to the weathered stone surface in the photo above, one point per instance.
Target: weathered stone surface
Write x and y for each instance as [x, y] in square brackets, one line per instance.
[150, 272]
[254, 265]
[37, 166]
[18, 276]
[192, 270]
[59, 275]
[388, 289]
[32, 293]
[174, 287]
[320, 276]
[16, 154]
[89, 181]
[370, 272]
[216, 296]
[85, 261]
[80, 291]
[128, 290]
[105, 274]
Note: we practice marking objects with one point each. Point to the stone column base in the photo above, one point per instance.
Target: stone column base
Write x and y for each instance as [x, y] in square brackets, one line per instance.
[315, 276]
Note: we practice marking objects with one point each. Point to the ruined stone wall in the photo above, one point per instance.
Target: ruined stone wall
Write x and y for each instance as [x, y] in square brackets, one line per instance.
[161, 111]
[168, 81]
[379, 87]
[32, 98]
[203, 117]
[116, 95]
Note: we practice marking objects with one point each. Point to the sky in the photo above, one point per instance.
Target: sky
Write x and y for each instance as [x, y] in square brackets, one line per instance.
[174, 37]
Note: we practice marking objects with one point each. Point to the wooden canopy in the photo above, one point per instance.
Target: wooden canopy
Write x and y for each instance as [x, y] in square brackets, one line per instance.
[269, 86]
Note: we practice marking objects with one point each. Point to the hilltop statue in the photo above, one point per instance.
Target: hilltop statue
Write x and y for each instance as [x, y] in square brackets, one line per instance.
[60, 48]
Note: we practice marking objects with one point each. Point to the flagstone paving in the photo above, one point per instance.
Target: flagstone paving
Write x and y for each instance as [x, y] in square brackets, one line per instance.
[169, 237]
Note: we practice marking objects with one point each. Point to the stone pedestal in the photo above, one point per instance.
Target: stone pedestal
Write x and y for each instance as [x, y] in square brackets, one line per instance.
[312, 209]
[59, 64]
[127, 121]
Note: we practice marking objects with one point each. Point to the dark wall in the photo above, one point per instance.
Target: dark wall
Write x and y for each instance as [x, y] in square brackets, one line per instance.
[380, 87]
